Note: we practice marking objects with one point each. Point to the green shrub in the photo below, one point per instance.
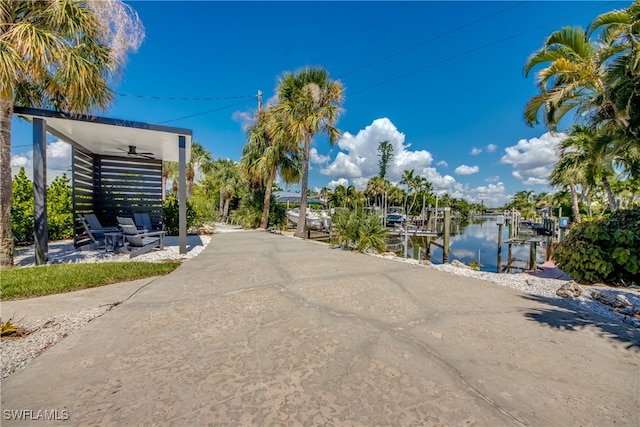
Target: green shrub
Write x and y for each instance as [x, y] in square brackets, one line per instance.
[277, 215]
[171, 215]
[249, 213]
[22, 223]
[605, 250]
[205, 204]
[60, 209]
[359, 230]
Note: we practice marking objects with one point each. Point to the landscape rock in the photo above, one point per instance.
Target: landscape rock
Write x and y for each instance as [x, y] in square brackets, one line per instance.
[207, 229]
[615, 300]
[460, 264]
[569, 290]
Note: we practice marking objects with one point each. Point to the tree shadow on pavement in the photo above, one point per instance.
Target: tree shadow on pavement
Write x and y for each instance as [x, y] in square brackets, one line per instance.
[570, 318]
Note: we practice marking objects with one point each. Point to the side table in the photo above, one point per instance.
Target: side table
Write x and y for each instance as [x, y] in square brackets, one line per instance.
[113, 240]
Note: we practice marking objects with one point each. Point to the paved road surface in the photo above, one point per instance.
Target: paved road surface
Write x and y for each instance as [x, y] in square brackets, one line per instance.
[262, 329]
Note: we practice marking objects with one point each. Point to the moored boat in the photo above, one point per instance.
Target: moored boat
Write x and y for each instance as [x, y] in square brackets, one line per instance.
[315, 220]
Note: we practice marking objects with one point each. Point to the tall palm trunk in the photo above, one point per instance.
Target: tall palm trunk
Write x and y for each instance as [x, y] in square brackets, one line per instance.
[302, 220]
[189, 189]
[574, 202]
[221, 205]
[225, 213]
[164, 187]
[267, 198]
[174, 187]
[610, 198]
[6, 235]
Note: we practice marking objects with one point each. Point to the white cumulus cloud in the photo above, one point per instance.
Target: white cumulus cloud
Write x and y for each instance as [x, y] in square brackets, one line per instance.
[335, 182]
[475, 151]
[492, 195]
[442, 163]
[467, 170]
[317, 158]
[358, 155]
[58, 161]
[533, 159]
[491, 148]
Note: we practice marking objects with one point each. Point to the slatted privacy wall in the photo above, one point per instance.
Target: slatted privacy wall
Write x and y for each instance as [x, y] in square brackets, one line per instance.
[115, 186]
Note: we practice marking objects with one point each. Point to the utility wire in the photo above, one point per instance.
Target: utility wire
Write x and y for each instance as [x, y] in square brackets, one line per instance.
[467, 52]
[367, 27]
[439, 36]
[170, 98]
[206, 112]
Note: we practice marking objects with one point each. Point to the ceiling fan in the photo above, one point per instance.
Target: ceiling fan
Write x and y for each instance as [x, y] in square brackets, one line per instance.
[132, 152]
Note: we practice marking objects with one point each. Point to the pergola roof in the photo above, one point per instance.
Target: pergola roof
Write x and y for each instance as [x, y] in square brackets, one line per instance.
[112, 137]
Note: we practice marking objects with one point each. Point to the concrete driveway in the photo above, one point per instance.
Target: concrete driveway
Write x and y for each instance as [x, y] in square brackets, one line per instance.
[262, 329]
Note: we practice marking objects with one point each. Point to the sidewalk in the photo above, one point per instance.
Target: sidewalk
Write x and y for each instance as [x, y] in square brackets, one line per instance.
[262, 329]
[52, 305]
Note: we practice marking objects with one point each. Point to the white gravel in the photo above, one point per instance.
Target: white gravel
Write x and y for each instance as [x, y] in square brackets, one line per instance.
[63, 251]
[16, 352]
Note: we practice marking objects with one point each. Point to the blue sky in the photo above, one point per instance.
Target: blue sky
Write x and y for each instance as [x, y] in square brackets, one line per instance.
[442, 81]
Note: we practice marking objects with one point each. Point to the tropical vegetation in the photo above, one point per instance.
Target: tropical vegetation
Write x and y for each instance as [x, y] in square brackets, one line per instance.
[357, 229]
[59, 208]
[308, 104]
[603, 250]
[61, 55]
[595, 73]
[270, 150]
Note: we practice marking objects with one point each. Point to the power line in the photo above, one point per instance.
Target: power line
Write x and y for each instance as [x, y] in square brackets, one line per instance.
[439, 36]
[206, 112]
[467, 52]
[366, 27]
[171, 98]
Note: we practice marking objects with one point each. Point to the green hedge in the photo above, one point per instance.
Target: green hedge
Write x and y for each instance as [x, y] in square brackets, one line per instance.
[604, 250]
[171, 215]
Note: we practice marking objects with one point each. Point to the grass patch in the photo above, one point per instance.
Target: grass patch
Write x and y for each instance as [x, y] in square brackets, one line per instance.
[54, 279]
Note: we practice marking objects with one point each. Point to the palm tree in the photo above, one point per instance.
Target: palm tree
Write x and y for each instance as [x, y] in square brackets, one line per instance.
[61, 55]
[573, 78]
[620, 40]
[567, 173]
[200, 160]
[593, 151]
[415, 184]
[169, 172]
[324, 194]
[226, 176]
[309, 103]
[265, 153]
[376, 187]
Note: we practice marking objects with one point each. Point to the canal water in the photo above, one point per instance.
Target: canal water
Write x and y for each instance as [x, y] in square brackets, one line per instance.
[476, 240]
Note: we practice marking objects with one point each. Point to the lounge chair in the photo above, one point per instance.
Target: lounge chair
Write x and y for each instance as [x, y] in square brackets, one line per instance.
[140, 243]
[143, 220]
[95, 230]
[129, 221]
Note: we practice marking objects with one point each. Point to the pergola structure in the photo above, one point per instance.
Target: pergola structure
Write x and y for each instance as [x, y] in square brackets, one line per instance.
[116, 169]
